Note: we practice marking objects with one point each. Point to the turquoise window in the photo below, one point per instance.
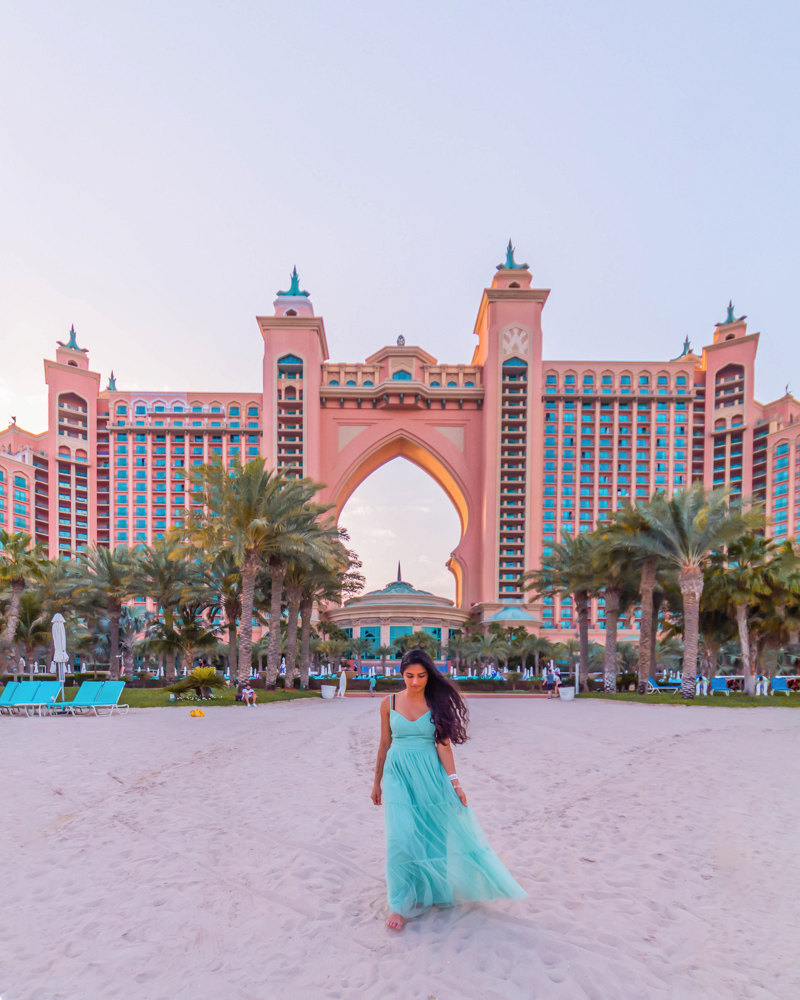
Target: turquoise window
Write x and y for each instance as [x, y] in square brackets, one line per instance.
[401, 376]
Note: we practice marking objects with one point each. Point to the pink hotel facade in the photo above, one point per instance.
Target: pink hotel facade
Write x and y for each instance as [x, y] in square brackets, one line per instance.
[524, 447]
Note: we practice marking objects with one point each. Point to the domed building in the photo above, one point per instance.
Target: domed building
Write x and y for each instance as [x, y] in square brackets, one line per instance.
[398, 609]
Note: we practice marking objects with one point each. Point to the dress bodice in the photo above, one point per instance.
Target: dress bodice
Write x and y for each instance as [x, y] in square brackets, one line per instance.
[407, 735]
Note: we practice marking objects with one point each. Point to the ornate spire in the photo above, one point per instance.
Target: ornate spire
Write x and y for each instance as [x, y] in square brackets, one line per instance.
[510, 264]
[399, 574]
[687, 348]
[112, 383]
[294, 288]
[730, 318]
[72, 343]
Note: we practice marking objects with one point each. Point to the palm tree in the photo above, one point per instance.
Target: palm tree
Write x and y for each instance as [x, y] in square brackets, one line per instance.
[360, 648]
[32, 626]
[104, 580]
[20, 563]
[162, 573]
[322, 559]
[683, 532]
[456, 646]
[132, 623]
[621, 585]
[741, 577]
[570, 570]
[333, 649]
[629, 523]
[384, 652]
[258, 515]
[330, 573]
[531, 645]
[188, 634]
[491, 648]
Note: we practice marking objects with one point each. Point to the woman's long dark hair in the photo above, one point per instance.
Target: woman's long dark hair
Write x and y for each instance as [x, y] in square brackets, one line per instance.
[448, 710]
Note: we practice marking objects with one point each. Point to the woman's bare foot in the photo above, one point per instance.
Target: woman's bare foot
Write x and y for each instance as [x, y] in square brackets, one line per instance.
[395, 922]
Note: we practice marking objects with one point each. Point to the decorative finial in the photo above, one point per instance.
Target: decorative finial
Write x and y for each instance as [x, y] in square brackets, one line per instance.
[687, 348]
[14, 423]
[112, 383]
[294, 288]
[399, 574]
[730, 318]
[72, 343]
[510, 264]
[401, 341]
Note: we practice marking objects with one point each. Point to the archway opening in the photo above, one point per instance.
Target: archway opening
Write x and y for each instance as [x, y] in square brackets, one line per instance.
[399, 513]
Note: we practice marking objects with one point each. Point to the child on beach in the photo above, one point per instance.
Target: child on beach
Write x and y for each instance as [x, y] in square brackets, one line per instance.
[248, 695]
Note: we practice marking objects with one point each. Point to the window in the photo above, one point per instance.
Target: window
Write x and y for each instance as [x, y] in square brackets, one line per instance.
[402, 376]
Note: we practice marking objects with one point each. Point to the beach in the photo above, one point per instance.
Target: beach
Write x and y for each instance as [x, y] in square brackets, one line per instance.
[238, 856]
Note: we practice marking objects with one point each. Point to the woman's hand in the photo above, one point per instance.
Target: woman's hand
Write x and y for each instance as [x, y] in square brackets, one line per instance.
[376, 794]
[460, 793]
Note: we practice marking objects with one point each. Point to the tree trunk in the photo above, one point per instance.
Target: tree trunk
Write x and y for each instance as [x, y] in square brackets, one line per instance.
[277, 572]
[691, 583]
[742, 624]
[582, 606]
[305, 641]
[231, 645]
[114, 613]
[294, 595]
[17, 586]
[712, 651]
[249, 572]
[612, 596]
[647, 631]
[654, 631]
[170, 660]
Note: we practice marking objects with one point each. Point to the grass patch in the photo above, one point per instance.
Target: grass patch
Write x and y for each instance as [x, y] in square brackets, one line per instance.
[733, 700]
[156, 698]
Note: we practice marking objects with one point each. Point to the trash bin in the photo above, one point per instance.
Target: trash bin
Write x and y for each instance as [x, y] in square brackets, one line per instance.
[566, 693]
[328, 690]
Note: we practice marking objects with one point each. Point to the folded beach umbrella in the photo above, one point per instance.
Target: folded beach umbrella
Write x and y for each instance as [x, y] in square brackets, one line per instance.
[60, 657]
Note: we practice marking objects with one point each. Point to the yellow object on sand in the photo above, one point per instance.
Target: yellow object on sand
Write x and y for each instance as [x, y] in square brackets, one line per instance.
[197, 711]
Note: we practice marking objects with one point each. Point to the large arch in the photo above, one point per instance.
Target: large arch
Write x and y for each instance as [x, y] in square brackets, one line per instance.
[356, 463]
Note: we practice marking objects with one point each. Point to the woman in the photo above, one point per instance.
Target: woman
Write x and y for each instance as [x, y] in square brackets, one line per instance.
[436, 853]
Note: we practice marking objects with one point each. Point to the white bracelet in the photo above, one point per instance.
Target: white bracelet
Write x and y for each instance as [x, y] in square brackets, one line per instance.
[453, 777]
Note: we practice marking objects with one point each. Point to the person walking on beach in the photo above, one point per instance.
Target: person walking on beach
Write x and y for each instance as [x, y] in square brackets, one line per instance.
[372, 683]
[436, 852]
[549, 681]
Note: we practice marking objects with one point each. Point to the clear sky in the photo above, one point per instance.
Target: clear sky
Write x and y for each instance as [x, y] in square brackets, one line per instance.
[163, 165]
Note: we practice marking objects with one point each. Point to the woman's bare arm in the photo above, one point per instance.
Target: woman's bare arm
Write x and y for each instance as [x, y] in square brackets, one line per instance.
[383, 749]
[445, 752]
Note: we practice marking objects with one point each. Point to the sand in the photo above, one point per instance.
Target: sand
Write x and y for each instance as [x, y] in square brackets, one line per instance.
[238, 857]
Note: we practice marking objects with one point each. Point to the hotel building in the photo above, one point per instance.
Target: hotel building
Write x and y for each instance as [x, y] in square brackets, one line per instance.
[523, 446]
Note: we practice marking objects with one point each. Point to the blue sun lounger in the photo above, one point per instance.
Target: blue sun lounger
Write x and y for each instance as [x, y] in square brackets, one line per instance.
[7, 697]
[653, 687]
[780, 684]
[83, 701]
[26, 691]
[108, 699]
[718, 685]
[46, 695]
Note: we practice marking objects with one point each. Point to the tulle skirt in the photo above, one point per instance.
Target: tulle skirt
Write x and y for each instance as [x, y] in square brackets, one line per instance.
[436, 851]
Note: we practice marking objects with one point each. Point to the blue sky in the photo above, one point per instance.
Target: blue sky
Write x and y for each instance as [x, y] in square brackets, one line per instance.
[165, 165]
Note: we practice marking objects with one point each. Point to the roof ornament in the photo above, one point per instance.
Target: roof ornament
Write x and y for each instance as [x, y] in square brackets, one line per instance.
[510, 264]
[687, 348]
[399, 574]
[401, 341]
[72, 343]
[112, 383]
[730, 318]
[294, 288]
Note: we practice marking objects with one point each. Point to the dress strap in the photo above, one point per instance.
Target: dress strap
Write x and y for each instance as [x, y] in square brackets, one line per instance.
[393, 708]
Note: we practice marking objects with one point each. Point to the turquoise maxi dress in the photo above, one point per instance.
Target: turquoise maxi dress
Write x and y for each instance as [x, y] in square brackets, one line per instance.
[436, 852]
